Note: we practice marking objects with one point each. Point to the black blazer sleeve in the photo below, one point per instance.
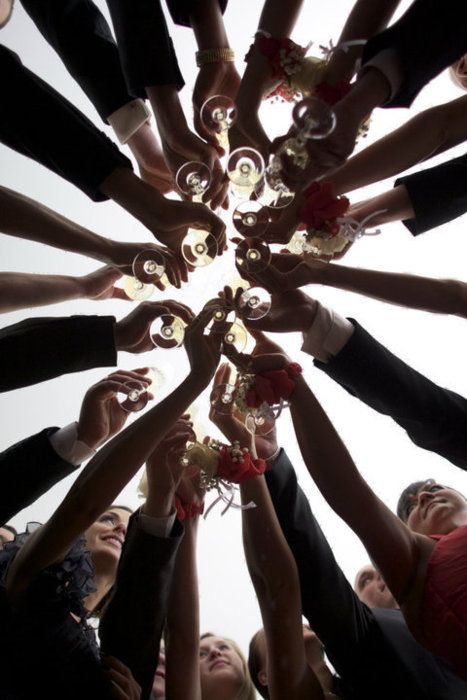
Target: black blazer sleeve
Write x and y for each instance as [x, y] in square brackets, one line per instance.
[180, 10]
[42, 348]
[27, 470]
[434, 418]
[38, 122]
[427, 39]
[329, 603]
[79, 33]
[146, 49]
[438, 194]
[132, 623]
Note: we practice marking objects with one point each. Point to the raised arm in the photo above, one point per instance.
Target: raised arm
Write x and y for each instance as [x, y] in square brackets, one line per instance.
[274, 575]
[182, 641]
[366, 18]
[114, 465]
[132, 623]
[425, 135]
[278, 20]
[19, 290]
[391, 545]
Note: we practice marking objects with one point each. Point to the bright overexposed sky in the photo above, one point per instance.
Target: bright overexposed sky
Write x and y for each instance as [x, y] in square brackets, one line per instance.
[433, 344]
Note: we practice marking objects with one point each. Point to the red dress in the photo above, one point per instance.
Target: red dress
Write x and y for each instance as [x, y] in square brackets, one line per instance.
[444, 606]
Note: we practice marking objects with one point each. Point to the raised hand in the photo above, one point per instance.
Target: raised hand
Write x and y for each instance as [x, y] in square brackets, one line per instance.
[220, 78]
[203, 351]
[172, 220]
[121, 256]
[290, 311]
[132, 332]
[164, 468]
[232, 424]
[100, 284]
[183, 146]
[101, 414]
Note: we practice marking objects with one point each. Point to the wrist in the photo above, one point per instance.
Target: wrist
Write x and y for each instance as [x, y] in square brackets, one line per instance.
[167, 108]
[159, 503]
[371, 90]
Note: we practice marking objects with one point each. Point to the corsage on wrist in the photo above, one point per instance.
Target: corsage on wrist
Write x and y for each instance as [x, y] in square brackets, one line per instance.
[221, 467]
[262, 397]
[186, 511]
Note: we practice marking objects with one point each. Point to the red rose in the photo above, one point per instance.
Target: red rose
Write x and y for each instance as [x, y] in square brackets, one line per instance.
[322, 206]
[236, 472]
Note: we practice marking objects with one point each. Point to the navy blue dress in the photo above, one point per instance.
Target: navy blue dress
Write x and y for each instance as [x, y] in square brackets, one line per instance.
[45, 652]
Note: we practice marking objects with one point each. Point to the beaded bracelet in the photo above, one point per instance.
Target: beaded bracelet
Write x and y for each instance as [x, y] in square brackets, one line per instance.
[214, 56]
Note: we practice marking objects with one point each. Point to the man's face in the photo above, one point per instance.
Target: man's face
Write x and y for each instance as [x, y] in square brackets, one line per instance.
[158, 687]
[5, 536]
[458, 72]
[435, 510]
[372, 590]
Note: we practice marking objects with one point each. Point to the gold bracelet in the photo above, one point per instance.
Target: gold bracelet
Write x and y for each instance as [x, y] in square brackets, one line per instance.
[214, 56]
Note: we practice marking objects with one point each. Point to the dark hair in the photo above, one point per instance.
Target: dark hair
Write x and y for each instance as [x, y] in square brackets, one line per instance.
[255, 665]
[102, 604]
[405, 499]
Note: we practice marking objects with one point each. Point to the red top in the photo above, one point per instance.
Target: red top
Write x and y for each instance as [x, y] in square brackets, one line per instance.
[444, 606]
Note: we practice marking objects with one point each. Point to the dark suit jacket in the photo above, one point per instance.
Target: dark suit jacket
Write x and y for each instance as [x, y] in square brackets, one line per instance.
[38, 122]
[438, 194]
[27, 470]
[434, 418]
[372, 650]
[42, 348]
[427, 39]
[146, 50]
[132, 623]
[79, 33]
[180, 10]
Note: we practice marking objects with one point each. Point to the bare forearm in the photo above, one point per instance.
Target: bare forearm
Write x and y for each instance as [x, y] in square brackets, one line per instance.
[20, 290]
[435, 295]
[366, 18]
[427, 134]
[267, 554]
[25, 218]
[131, 193]
[183, 621]
[277, 19]
[208, 25]
[324, 454]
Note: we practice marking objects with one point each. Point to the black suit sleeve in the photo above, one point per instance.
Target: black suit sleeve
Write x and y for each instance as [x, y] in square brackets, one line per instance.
[42, 348]
[428, 38]
[339, 618]
[79, 33]
[438, 194]
[434, 418]
[27, 470]
[180, 10]
[146, 49]
[132, 623]
[38, 122]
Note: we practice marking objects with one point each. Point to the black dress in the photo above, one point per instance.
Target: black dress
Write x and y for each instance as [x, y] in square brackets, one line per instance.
[45, 652]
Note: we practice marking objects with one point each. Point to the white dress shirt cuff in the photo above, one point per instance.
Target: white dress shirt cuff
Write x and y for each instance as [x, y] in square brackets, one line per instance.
[126, 120]
[66, 444]
[327, 335]
[387, 62]
[158, 527]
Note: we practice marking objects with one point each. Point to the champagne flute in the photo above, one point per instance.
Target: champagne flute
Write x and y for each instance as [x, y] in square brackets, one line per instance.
[254, 303]
[217, 115]
[193, 178]
[135, 399]
[167, 331]
[199, 247]
[245, 169]
[251, 218]
[252, 255]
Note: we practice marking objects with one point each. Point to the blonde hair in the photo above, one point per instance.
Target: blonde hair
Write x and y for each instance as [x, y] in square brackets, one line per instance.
[247, 691]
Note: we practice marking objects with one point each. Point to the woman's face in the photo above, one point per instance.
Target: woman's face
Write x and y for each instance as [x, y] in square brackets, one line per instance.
[221, 668]
[436, 510]
[105, 537]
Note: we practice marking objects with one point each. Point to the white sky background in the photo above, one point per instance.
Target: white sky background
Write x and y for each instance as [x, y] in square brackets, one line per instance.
[434, 345]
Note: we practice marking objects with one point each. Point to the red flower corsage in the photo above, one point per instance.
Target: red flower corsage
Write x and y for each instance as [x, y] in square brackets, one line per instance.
[236, 464]
[322, 208]
[272, 386]
[188, 510]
